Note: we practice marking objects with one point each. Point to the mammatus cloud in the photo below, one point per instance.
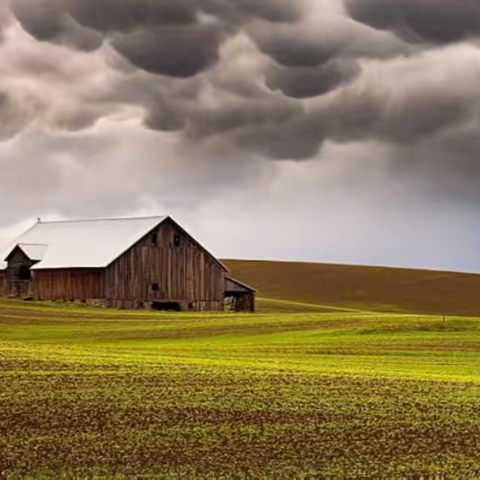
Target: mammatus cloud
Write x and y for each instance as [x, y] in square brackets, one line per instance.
[434, 21]
[213, 70]
[108, 106]
[47, 21]
[308, 82]
[178, 38]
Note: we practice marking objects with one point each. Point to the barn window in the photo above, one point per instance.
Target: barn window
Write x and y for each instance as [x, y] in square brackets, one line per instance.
[155, 287]
[154, 239]
[24, 273]
[177, 240]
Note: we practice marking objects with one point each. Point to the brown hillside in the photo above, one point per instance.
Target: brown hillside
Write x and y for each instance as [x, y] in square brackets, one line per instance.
[368, 288]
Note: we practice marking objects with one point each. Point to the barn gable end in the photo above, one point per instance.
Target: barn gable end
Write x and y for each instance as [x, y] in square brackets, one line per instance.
[167, 266]
[18, 276]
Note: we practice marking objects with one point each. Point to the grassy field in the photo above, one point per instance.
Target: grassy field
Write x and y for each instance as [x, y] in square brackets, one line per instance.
[87, 393]
[366, 288]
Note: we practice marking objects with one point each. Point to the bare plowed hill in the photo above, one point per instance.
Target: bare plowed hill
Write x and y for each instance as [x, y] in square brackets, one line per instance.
[359, 287]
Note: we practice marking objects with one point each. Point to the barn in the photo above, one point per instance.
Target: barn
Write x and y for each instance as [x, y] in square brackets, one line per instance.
[147, 262]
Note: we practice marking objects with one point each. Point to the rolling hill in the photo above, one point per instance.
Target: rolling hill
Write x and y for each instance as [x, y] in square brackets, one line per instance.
[290, 286]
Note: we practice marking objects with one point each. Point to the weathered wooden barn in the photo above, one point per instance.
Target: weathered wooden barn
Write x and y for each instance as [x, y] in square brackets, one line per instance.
[149, 262]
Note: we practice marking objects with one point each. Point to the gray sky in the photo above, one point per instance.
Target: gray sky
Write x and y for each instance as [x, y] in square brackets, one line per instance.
[324, 131]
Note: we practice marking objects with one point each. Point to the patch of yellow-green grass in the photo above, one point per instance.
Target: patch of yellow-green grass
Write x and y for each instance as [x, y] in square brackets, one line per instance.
[272, 305]
[100, 393]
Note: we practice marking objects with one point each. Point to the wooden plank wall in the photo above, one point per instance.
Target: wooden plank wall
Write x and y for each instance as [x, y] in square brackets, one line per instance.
[3, 283]
[231, 285]
[185, 273]
[14, 286]
[68, 285]
[240, 297]
[245, 303]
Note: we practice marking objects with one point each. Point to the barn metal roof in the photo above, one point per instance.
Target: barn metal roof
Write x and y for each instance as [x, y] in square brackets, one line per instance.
[241, 284]
[82, 243]
[35, 252]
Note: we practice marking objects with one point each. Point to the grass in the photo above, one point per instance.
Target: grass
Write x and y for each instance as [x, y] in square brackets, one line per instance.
[272, 305]
[90, 393]
[362, 288]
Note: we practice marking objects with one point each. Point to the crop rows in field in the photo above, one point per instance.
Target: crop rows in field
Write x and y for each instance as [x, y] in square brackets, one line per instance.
[87, 393]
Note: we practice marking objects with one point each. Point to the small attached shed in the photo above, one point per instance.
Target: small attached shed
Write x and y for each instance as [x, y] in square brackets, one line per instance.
[239, 297]
[18, 274]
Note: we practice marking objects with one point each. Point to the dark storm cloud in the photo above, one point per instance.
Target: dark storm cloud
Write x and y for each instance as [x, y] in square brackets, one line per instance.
[274, 77]
[307, 82]
[47, 20]
[296, 139]
[436, 21]
[409, 99]
[42, 19]
[271, 10]
[445, 167]
[294, 47]
[240, 115]
[276, 131]
[173, 51]
[165, 115]
[126, 15]
[384, 117]
[315, 59]
[179, 38]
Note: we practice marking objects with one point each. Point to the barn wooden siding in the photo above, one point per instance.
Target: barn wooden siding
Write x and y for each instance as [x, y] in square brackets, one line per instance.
[15, 286]
[3, 284]
[244, 303]
[240, 297]
[232, 285]
[69, 285]
[184, 273]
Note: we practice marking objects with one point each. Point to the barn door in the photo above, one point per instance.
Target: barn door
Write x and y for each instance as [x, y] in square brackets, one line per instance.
[21, 281]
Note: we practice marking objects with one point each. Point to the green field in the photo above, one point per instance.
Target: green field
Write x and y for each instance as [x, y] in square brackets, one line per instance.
[88, 393]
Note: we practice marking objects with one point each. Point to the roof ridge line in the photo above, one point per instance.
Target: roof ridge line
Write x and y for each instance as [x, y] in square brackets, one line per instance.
[102, 219]
[34, 244]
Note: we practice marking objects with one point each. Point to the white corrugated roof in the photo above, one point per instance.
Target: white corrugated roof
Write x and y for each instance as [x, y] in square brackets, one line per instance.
[83, 243]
